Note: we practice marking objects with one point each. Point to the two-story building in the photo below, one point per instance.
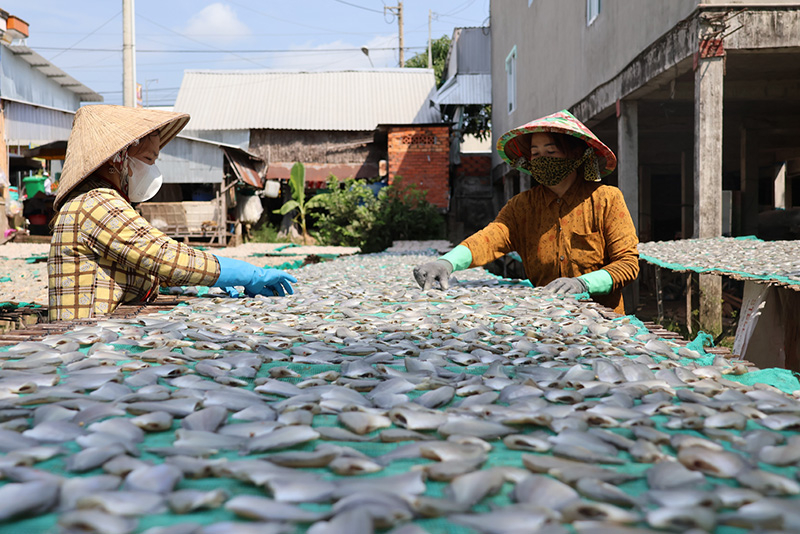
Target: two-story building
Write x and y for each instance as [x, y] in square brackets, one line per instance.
[699, 100]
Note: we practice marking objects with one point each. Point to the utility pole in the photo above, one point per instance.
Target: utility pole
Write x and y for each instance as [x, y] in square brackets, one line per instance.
[128, 55]
[430, 43]
[398, 10]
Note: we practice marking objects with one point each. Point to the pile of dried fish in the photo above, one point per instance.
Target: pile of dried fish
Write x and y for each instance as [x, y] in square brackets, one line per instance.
[364, 404]
[777, 261]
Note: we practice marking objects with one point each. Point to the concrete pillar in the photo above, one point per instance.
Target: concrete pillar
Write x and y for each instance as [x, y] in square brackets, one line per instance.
[749, 181]
[6, 171]
[781, 188]
[508, 185]
[645, 195]
[628, 156]
[628, 178]
[708, 82]
[687, 196]
[524, 181]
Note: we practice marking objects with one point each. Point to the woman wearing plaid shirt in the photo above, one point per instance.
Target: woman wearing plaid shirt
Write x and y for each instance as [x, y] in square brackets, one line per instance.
[103, 253]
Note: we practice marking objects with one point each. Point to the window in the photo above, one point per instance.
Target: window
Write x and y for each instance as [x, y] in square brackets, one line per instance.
[530, 2]
[592, 10]
[511, 79]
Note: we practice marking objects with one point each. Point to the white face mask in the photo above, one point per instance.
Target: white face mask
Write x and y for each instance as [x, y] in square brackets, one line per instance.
[144, 180]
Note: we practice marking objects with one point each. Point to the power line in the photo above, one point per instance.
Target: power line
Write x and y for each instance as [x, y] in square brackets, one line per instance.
[87, 36]
[359, 7]
[220, 51]
[278, 19]
[149, 90]
[197, 41]
[460, 8]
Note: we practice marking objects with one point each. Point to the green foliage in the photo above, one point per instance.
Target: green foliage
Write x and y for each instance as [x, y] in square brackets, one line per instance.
[297, 182]
[404, 213]
[477, 119]
[349, 213]
[266, 233]
[439, 49]
[352, 215]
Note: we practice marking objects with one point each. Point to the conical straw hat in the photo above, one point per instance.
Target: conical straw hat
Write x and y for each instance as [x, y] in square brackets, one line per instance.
[100, 131]
[516, 143]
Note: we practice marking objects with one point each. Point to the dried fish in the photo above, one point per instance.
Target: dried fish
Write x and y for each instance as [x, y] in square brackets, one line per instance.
[27, 498]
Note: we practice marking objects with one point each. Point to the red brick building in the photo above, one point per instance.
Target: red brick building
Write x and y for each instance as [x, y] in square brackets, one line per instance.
[420, 154]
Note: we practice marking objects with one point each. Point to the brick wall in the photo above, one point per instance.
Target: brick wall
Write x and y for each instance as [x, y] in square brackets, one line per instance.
[478, 165]
[421, 155]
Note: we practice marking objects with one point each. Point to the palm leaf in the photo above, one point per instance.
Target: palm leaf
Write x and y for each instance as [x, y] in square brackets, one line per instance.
[297, 182]
[287, 207]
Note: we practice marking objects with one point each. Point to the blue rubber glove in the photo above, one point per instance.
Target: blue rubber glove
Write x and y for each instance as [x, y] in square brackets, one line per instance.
[256, 281]
[232, 292]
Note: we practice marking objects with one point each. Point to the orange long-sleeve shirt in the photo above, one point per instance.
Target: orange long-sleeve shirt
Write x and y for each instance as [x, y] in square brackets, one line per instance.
[589, 228]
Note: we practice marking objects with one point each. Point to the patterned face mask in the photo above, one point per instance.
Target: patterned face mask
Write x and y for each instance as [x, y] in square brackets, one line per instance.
[552, 171]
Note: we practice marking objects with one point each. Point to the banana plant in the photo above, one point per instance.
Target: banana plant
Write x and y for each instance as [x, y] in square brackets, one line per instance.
[297, 183]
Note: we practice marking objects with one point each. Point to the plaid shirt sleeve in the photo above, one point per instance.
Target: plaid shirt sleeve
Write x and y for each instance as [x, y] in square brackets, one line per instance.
[113, 230]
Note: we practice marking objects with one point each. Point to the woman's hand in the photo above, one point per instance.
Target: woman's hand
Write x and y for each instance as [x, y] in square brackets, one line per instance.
[566, 286]
[256, 281]
[433, 271]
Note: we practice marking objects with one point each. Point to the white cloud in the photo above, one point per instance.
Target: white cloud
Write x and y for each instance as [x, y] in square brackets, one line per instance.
[217, 22]
[352, 58]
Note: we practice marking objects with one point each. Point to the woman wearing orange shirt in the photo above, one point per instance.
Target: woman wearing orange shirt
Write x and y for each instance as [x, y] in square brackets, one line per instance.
[574, 235]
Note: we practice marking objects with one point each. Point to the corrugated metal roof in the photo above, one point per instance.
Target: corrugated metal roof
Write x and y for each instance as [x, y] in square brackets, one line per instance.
[54, 73]
[189, 159]
[470, 52]
[474, 47]
[466, 89]
[245, 167]
[355, 100]
[27, 124]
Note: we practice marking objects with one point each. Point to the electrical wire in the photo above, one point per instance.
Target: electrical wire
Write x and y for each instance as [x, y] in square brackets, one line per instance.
[86, 36]
[222, 51]
[359, 7]
[325, 30]
[197, 41]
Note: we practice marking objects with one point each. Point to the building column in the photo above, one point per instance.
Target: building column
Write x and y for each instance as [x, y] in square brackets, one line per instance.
[628, 178]
[749, 181]
[524, 182]
[508, 185]
[645, 204]
[708, 80]
[5, 170]
[687, 196]
[628, 156]
[782, 189]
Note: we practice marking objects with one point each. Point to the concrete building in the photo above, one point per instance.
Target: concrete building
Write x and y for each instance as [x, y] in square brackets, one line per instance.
[466, 89]
[699, 100]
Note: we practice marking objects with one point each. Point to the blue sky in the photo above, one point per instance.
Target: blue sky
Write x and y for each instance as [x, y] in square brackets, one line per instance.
[84, 37]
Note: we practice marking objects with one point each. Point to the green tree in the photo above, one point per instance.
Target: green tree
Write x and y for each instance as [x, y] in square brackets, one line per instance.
[439, 49]
[477, 118]
[299, 202]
